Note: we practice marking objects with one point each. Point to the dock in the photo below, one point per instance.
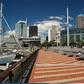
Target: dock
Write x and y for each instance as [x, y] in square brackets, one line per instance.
[45, 66]
[19, 72]
[51, 67]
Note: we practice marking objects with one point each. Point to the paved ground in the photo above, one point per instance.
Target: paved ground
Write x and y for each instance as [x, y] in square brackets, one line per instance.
[75, 49]
[52, 67]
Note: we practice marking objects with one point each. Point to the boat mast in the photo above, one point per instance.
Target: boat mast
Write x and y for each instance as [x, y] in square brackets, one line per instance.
[67, 27]
[1, 16]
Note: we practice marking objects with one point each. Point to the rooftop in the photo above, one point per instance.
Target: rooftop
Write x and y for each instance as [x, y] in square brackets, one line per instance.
[81, 15]
[21, 21]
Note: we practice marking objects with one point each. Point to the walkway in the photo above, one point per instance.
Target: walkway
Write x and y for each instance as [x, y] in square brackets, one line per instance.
[52, 67]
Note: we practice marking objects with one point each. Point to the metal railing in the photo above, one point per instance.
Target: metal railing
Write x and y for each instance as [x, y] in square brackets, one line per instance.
[20, 71]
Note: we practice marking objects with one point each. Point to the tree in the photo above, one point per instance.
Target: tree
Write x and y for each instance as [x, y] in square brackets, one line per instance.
[80, 43]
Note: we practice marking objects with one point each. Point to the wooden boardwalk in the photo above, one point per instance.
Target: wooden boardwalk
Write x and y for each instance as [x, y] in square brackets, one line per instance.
[52, 67]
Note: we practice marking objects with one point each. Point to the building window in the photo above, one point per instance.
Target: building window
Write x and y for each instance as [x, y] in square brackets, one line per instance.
[82, 38]
[77, 37]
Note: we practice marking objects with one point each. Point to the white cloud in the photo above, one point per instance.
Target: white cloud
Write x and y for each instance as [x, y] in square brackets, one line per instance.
[70, 25]
[70, 18]
[44, 26]
[9, 33]
[56, 18]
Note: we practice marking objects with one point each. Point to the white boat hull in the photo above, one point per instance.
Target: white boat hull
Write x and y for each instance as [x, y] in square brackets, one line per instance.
[7, 58]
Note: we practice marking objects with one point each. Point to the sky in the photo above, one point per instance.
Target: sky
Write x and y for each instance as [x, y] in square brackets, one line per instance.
[39, 10]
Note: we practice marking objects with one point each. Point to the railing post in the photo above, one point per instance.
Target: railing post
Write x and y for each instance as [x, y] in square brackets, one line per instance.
[11, 76]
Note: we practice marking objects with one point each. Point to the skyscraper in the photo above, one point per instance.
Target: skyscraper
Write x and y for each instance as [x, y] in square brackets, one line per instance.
[21, 29]
[54, 33]
[33, 31]
[80, 21]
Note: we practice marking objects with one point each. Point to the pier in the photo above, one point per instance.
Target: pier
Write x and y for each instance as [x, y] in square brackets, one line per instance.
[45, 66]
[51, 67]
[20, 71]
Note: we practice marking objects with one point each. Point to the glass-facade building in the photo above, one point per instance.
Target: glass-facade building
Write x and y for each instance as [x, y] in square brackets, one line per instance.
[75, 34]
[33, 31]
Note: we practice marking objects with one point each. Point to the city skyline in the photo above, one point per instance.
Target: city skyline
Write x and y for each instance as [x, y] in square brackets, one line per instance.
[42, 13]
[39, 10]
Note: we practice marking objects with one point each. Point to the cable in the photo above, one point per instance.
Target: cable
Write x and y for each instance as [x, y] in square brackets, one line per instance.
[11, 30]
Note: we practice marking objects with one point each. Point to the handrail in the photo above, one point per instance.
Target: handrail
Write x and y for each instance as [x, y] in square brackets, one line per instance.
[16, 69]
[5, 73]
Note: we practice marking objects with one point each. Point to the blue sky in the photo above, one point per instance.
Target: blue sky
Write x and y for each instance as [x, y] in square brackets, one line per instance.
[38, 10]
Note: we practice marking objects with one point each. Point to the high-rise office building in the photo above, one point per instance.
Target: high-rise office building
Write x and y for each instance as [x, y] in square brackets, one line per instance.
[21, 29]
[80, 21]
[33, 31]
